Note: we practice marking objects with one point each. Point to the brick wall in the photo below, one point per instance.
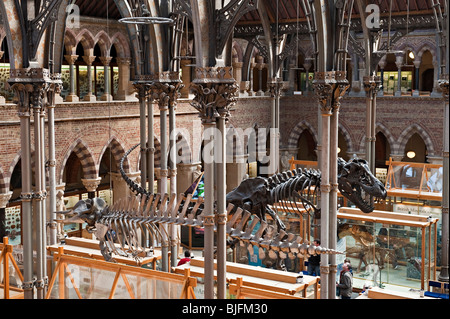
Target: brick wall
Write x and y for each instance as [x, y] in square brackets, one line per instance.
[95, 124]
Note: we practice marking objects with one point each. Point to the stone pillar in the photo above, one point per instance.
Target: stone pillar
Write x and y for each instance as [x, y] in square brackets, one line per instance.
[120, 188]
[106, 60]
[399, 64]
[185, 175]
[444, 274]
[185, 77]
[252, 66]
[275, 87]
[165, 90]
[381, 65]
[2, 98]
[341, 88]
[260, 66]
[416, 91]
[91, 185]
[59, 208]
[307, 66]
[329, 87]
[72, 97]
[237, 74]
[89, 60]
[124, 79]
[31, 86]
[215, 92]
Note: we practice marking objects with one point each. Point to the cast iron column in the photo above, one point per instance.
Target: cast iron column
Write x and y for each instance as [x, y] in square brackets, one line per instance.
[215, 92]
[324, 83]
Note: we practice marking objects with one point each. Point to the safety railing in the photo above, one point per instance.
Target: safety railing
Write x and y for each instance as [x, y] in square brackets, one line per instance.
[7, 260]
[83, 278]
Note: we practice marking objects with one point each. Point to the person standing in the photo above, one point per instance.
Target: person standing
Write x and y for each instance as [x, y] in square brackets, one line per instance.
[345, 284]
[314, 262]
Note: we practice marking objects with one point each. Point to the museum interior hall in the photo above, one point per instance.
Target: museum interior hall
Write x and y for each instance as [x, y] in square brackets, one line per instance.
[224, 149]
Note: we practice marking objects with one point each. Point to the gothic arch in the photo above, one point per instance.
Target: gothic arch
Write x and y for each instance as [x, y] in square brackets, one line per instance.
[87, 40]
[85, 155]
[117, 152]
[297, 131]
[408, 132]
[122, 46]
[3, 182]
[104, 42]
[347, 137]
[70, 41]
[383, 129]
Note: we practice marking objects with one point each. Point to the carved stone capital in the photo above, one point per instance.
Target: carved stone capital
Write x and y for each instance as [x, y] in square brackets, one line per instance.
[443, 84]
[91, 184]
[340, 89]
[106, 60]
[221, 219]
[30, 87]
[215, 92]
[323, 84]
[4, 199]
[123, 61]
[71, 58]
[372, 84]
[89, 59]
[275, 87]
[166, 94]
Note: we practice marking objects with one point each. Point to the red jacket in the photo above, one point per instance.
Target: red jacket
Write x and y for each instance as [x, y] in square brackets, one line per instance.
[183, 261]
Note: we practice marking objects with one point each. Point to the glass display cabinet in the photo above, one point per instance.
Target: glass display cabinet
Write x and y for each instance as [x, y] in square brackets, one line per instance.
[389, 249]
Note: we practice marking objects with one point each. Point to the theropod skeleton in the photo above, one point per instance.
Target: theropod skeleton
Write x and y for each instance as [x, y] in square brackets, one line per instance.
[123, 221]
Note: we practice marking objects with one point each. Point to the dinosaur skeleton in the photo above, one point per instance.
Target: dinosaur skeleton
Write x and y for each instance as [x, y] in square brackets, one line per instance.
[145, 212]
[124, 220]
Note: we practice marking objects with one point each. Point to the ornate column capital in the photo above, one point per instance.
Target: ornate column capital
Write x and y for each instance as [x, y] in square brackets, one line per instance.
[341, 88]
[30, 86]
[372, 84]
[324, 84]
[275, 86]
[106, 60]
[91, 184]
[89, 59]
[123, 61]
[4, 199]
[443, 84]
[215, 91]
[71, 58]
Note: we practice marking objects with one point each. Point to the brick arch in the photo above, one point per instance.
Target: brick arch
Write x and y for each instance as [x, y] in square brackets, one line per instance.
[121, 44]
[427, 46]
[297, 131]
[87, 40]
[104, 42]
[87, 160]
[380, 128]
[347, 137]
[406, 135]
[4, 188]
[117, 152]
[70, 41]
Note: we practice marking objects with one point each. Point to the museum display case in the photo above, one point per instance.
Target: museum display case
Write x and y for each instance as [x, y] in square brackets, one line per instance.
[389, 249]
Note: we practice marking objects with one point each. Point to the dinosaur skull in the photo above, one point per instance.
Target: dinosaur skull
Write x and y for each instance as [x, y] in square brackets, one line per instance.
[359, 185]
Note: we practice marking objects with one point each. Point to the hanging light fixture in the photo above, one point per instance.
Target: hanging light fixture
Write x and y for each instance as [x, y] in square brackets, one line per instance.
[411, 154]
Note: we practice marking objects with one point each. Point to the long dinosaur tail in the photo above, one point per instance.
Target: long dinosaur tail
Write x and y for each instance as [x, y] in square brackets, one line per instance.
[135, 187]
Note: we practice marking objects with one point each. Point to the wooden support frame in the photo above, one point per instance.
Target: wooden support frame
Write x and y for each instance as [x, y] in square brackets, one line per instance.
[120, 270]
[241, 292]
[5, 258]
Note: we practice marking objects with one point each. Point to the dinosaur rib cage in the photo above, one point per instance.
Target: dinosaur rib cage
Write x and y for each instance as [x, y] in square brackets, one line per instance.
[144, 213]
